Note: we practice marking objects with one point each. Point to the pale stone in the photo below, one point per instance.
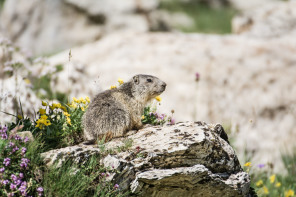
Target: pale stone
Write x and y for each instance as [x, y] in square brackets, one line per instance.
[269, 21]
[186, 159]
[33, 25]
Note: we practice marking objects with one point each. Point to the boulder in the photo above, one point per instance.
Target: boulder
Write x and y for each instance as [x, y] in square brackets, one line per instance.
[269, 21]
[30, 23]
[186, 159]
[245, 83]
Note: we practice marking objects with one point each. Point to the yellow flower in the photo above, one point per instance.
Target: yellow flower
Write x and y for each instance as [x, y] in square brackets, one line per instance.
[42, 111]
[47, 122]
[68, 120]
[142, 117]
[87, 99]
[112, 87]
[27, 81]
[81, 100]
[248, 164]
[272, 178]
[75, 99]
[289, 193]
[73, 105]
[158, 98]
[44, 117]
[64, 108]
[82, 108]
[278, 184]
[120, 81]
[66, 114]
[20, 117]
[55, 105]
[42, 121]
[259, 183]
[265, 190]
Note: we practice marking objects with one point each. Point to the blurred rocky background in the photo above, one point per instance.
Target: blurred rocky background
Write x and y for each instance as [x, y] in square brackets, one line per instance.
[226, 61]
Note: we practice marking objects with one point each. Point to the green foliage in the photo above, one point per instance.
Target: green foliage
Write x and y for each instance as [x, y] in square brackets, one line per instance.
[59, 125]
[127, 144]
[268, 184]
[42, 85]
[18, 173]
[150, 116]
[72, 179]
[206, 19]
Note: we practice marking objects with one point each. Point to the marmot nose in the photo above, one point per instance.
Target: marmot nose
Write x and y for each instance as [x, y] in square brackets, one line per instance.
[163, 85]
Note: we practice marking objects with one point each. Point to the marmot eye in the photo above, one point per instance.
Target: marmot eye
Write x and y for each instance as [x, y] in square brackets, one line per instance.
[149, 80]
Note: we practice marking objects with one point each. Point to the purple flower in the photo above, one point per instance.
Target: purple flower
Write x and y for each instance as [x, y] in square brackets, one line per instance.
[6, 161]
[13, 177]
[15, 149]
[103, 174]
[5, 182]
[24, 150]
[197, 76]
[24, 162]
[40, 191]
[17, 182]
[21, 176]
[3, 129]
[172, 121]
[116, 186]
[26, 139]
[4, 136]
[2, 170]
[12, 186]
[23, 188]
[17, 137]
[260, 165]
[11, 144]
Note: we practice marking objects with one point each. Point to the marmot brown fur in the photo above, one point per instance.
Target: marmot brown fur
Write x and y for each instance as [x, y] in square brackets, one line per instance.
[116, 111]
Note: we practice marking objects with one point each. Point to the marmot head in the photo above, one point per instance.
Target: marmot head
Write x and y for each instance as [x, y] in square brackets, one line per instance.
[147, 87]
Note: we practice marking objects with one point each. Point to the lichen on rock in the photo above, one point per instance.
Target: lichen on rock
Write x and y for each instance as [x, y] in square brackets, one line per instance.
[186, 159]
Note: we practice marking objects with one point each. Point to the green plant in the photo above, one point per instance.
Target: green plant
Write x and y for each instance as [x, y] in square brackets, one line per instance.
[17, 172]
[151, 116]
[127, 143]
[89, 179]
[268, 184]
[206, 19]
[60, 125]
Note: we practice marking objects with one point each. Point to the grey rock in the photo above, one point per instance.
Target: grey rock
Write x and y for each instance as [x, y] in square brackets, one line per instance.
[271, 20]
[186, 159]
[29, 23]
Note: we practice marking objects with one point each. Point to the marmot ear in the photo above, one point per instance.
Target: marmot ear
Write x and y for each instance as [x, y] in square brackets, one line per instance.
[136, 79]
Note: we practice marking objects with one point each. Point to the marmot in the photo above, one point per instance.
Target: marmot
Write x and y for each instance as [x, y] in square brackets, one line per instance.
[116, 111]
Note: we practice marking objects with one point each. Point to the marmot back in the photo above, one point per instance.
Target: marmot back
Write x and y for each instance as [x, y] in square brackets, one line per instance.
[116, 111]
